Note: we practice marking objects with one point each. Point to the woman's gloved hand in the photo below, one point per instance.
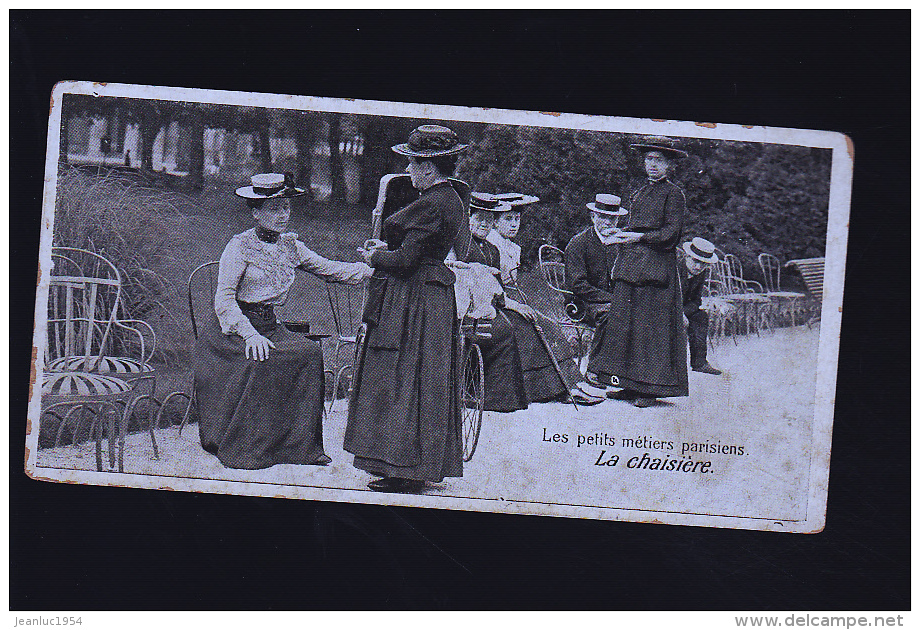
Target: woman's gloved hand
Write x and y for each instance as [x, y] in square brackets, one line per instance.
[257, 347]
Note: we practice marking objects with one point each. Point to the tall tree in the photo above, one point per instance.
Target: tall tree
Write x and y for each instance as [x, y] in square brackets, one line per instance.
[194, 121]
[335, 157]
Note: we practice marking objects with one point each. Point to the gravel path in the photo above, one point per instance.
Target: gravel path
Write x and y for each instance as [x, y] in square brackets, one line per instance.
[763, 404]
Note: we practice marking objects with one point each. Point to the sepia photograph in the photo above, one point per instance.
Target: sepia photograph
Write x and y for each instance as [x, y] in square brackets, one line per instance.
[432, 306]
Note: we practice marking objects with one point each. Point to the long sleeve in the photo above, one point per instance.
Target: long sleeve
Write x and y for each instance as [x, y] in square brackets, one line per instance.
[667, 236]
[231, 269]
[419, 234]
[349, 273]
[576, 275]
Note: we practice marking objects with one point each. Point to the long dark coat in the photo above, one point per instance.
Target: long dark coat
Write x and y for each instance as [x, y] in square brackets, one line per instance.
[642, 345]
[404, 416]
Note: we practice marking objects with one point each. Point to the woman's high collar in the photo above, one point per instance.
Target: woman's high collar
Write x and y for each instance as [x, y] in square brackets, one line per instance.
[267, 236]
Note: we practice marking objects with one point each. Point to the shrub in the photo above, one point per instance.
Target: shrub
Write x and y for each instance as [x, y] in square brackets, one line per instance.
[132, 225]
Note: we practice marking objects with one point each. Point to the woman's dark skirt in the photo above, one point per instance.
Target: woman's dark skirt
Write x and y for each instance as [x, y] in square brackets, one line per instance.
[255, 414]
[404, 415]
[541, 381]
[642, 345]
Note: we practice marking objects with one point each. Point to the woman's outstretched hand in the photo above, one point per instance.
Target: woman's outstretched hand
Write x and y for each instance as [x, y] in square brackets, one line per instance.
[257, 347]
[370, 246]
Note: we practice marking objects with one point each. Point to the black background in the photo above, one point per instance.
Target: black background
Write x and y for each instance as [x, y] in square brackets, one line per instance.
[81, 547]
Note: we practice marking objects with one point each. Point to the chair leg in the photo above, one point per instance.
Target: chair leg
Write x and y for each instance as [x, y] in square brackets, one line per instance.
[113, 420]
[188, 411]
[78, 426]
[158, 421]
[122, 433]
[97, 429]
[60, 430]
[151, 419]
[336, 383]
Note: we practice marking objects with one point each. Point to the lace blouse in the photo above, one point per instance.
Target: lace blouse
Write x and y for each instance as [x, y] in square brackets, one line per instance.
[509, 254]
[252, 270]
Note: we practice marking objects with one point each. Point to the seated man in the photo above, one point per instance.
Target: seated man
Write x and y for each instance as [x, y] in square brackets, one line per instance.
[699, 255]
[590, 257]
[529, 360]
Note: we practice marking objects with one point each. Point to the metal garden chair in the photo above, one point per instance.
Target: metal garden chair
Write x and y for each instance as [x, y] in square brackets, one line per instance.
[789, 303]
[81, 371]
[563, 309]
[346, 303]
[200, 290]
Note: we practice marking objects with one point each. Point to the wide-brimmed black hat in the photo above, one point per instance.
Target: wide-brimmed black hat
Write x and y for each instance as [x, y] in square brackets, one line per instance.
[607, 204]
[480, 201]
[702, 250]
[517, 199]
[269, 186]
[659, 143]
[431, 141]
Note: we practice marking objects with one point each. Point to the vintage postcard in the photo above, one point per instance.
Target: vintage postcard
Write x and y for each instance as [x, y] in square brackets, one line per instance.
[447, 307]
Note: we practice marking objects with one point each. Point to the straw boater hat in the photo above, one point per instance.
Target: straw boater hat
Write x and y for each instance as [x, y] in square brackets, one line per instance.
[517, 199]
[607, 204]
[659, 143]
[490, 203]
[702, 250]
[431, 141]
[269, 186]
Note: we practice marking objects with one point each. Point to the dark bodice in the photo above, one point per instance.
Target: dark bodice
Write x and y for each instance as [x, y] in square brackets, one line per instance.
[588, 264]
[423, 232]
[484, 252]
[657, 209]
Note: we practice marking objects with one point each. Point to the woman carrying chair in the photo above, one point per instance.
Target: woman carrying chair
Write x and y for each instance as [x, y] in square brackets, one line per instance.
[404, 423]
[259, 387]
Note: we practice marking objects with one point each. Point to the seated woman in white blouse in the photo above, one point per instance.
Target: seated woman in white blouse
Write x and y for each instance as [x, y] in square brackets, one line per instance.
[259, 387]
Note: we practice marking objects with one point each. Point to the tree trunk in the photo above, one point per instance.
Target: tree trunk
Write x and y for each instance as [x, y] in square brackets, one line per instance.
[196, 151]
[336, 173]
[304, 136]
[376, 161]
[265, 147]
[149, 128]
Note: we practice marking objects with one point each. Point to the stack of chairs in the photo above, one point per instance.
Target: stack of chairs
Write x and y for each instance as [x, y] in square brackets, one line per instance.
[95, 361]
[746, 307]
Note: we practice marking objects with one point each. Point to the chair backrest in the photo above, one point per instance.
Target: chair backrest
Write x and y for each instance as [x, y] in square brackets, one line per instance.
[83, 300]
[346, 303]
[770, 268]
[200, 289]
[812, 271]
[552, 268]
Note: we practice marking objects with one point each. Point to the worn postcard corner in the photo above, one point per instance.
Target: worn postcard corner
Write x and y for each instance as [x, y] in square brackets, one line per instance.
[435, 306]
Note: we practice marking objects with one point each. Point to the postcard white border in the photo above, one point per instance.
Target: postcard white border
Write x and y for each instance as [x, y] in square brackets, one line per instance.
[835, 253]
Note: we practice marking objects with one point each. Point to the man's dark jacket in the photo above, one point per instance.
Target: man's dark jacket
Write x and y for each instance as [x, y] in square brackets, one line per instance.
[588, 264]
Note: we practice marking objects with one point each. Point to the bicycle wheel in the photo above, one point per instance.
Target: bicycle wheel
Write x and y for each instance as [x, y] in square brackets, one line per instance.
[473, 397]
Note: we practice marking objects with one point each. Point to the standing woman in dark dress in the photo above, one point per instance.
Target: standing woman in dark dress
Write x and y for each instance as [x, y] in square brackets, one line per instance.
[259, 388]
[404, 422]
[643, 347]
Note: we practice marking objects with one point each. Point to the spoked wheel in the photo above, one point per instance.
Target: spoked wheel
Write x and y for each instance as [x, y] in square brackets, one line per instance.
[473, 397]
